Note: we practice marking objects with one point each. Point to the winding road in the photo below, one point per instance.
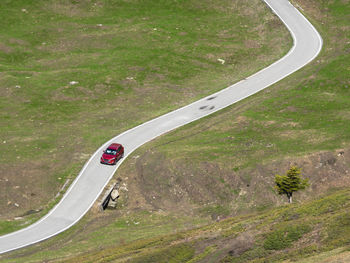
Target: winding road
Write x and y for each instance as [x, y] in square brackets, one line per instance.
[94, 177]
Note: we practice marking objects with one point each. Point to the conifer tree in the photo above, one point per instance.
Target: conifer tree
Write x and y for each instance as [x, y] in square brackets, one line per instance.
[290, 183]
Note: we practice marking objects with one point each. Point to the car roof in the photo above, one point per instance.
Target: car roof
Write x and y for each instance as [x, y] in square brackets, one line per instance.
[114, 146]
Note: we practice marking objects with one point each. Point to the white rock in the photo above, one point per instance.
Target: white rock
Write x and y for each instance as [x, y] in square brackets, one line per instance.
[242, 192]
[221, 61]
[73, 82]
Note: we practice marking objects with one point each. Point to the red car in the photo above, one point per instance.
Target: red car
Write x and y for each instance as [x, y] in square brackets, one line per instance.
[112, 154]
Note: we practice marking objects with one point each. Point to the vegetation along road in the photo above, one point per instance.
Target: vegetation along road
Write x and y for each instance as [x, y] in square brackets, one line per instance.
[93, 177]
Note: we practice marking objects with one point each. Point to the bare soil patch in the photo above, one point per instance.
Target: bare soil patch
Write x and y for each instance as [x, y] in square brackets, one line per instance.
[174, 185]
[24, 188]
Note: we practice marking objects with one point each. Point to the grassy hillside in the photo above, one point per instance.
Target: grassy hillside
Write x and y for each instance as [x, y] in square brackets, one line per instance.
[225, 163]
[76, 73]
[286, 233]
[317, 231]
[203, 193]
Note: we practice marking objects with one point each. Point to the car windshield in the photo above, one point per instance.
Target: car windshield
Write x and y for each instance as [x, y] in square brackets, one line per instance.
[111, 151]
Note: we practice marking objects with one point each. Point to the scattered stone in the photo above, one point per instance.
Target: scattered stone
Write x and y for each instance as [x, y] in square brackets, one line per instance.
[73, 82]
[16, 205]
[221, 61]
[18, 86]
[4, 142]
[155, 29]
[124, 188]
[99, 25]
[24, 10]
[129, 78]
[16, 187]
[18, 218]
[242, 192]
[136, 223]
[9, 202]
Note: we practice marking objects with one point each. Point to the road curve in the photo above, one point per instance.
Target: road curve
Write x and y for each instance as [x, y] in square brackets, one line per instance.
[94, 177]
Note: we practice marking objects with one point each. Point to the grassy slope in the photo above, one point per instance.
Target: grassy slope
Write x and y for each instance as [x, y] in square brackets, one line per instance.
[309, 232]
[308, 112]
[318, 228]
[240, 148]
[289, 232]
[133, 60]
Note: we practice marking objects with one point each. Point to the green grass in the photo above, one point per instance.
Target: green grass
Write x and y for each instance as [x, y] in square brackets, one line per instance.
[306, 113]
[290, 232]
[133, 61]
[283, 238]
[125, 229]
[310, 116]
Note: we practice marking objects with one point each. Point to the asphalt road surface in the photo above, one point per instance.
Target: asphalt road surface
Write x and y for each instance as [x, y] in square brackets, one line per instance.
[94, 176]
